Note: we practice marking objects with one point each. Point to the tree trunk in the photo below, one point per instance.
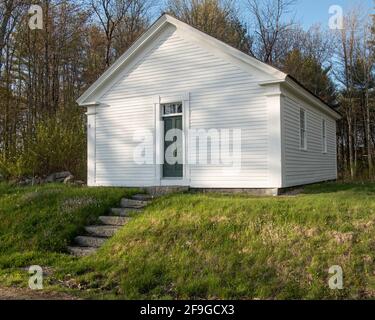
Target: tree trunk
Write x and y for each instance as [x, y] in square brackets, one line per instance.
[351, 149]
[368, 134]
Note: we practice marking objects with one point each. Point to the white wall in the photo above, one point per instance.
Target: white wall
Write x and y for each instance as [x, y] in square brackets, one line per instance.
[222, 96]
[310, 166]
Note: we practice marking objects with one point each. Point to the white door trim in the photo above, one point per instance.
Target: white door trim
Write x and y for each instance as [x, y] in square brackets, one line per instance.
[91, 146]
[159, 139]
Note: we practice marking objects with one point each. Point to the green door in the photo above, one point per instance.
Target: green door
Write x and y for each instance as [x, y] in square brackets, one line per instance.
[172, 170]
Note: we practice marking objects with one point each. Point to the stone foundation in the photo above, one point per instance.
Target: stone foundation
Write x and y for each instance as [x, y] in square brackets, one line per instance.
[160, 191]
[252, 192]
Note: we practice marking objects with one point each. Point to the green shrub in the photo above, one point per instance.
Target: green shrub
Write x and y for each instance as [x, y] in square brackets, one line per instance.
[58, 143]
[14, 166]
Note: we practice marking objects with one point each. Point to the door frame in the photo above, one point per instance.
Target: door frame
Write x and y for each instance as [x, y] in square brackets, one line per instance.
[159, 139]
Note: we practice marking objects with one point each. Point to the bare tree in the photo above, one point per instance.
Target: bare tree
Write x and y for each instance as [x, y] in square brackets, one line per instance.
[110, 14]
[134, 23]
[122, 22]
[10, 11]
[320, 44]
[218, 18]
[347, 53]
[270, 27]
[364, 79]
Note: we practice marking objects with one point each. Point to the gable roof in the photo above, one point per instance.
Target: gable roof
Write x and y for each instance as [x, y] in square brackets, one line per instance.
[272, 74]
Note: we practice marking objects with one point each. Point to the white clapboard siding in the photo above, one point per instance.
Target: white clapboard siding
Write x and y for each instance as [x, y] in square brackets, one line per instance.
[310, 166]
[221, 96]
[115, 127]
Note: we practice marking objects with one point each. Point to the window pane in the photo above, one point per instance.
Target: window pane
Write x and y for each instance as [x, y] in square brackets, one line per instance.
[302, 119]
[172, 108]
[324, 135]
[168, 109]
[302, 129]
[179, 109]
[302, 139]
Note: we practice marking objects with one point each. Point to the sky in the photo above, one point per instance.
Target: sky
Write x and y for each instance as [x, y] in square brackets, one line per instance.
[310, 12]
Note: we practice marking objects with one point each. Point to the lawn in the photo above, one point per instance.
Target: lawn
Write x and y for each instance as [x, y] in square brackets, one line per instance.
[37, 223]
[196, 246]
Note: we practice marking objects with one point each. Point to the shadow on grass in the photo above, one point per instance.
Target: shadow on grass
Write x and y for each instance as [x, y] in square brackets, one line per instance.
[335, 187]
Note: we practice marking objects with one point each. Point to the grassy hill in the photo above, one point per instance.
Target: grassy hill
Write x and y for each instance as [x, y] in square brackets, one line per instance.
[37, 223]
[197, 246]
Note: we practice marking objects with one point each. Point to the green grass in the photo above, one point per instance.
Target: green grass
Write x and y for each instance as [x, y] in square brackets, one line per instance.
[195, 246]
[37, 223]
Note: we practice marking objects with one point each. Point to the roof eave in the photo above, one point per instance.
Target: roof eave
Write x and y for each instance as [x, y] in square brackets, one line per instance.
[293, 85]
[84, 100]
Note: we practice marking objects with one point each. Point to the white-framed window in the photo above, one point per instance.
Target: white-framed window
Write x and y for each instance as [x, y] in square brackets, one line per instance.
[324, 136]
[172, 109]
[302, 131]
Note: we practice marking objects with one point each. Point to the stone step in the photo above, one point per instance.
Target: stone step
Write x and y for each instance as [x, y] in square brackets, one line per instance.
[143, 197]
[114, 220]
[124, 212]
[133, 204]
[102, 231]
[84, 241]
[81, 251]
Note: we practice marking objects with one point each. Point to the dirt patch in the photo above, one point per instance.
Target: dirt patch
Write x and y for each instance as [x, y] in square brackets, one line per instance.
[364, 225]
[341, 238]
[27, 294]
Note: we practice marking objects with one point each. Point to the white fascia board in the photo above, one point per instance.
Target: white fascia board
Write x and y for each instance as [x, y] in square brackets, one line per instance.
[90, 104]
[108, 75]
[271, 82]
[225, 48]
[295, 88]
[111, 71]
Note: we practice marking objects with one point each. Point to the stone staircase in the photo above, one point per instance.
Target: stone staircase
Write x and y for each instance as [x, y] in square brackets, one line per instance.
[108, 225]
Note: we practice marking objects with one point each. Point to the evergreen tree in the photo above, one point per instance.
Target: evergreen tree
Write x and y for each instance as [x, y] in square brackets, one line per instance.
[311, 74]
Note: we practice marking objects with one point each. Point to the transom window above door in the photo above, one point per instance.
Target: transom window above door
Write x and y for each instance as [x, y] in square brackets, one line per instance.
[172, 108]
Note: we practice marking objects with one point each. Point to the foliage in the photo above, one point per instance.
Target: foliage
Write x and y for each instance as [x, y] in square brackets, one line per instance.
[311, 74]
[44, 219]
[57, 144]
[214, 17]
[43, 72]
[195, 246]
[14, 166]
